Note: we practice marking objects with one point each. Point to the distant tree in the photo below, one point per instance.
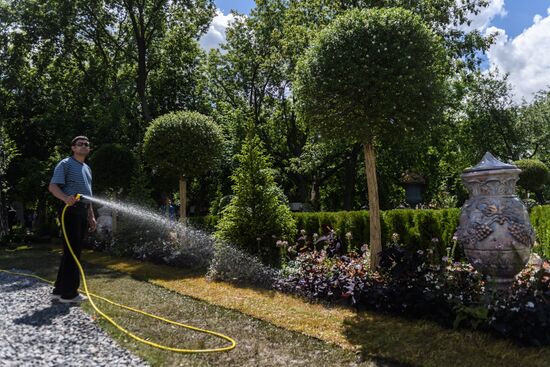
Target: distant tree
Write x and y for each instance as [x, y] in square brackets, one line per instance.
[369, 76]
[533, 177]
[139, 29]
[258, 214]
[183, 144]
[490, 118]
[140, 191]
[534, 125]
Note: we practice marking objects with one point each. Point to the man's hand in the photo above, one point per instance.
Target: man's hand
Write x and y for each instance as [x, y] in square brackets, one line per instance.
[70, 200]
[92, 224]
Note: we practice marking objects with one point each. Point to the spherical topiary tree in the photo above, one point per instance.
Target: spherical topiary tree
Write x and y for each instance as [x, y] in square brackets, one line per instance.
[372, 75]
[534, 175]
[184, 143]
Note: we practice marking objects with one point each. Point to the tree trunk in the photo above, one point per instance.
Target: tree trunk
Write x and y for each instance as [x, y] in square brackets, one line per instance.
[350, 175]
[183, 200]
[141, 81]
[374, 208]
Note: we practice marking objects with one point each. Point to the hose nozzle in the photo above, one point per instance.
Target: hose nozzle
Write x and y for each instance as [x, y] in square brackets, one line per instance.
[77, 196]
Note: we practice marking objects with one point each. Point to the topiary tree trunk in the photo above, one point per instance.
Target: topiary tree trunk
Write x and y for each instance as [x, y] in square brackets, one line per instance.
[374, 204]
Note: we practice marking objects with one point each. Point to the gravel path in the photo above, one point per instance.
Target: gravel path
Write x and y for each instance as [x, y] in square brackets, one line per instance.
[35, 331]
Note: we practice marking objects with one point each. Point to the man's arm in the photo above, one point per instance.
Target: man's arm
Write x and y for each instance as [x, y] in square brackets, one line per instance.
[56, 191]
[91, 218]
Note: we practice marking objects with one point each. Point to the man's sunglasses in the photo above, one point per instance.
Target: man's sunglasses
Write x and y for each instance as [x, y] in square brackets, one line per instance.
[82, 144]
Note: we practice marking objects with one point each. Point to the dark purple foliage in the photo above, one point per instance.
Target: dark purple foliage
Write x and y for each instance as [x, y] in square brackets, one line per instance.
[451, 293]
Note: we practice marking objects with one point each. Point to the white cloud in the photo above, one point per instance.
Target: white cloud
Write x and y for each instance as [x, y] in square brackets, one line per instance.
[482, 20]
[216, 33]
[526, 57]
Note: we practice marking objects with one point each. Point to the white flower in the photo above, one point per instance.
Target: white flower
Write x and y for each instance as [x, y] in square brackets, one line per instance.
[530, 304]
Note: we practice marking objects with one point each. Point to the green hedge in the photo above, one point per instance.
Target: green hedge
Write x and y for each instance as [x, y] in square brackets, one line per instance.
[540, 219]
[416, 228]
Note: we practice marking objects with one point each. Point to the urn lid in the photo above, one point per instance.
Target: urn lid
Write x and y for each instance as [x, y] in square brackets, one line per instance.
[490, 163]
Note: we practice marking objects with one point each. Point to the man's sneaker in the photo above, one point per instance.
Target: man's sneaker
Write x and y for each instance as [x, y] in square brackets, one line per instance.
[76, 299]
[55, 296]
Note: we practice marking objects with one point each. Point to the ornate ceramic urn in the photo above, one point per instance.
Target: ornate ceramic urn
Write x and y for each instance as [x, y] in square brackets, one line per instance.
[494, 224]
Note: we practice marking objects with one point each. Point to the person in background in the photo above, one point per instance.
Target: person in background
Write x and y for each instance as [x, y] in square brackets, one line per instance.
[168, 210]
[73, 176]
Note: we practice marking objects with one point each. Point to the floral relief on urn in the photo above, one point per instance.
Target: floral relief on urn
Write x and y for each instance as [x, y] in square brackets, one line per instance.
[494, 227]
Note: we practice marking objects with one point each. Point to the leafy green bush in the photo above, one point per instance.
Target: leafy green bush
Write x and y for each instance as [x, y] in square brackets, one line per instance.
[533, 177]
[258, 214]
[534, 174]
[540, 219]
[113, 166]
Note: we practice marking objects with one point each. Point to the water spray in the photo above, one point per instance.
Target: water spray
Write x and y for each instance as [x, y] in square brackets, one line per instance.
[91, 296]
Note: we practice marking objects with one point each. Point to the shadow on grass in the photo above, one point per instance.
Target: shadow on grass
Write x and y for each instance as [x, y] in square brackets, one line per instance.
[416, 342]
[385, 340]
[144, 270]
[44, 260]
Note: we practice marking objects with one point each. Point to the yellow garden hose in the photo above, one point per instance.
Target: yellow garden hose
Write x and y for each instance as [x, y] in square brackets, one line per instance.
[92, 295]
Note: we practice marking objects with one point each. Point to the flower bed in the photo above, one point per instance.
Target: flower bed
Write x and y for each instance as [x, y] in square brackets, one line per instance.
[417, 284]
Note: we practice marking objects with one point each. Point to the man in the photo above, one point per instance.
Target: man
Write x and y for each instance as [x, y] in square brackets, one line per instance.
[72, 176]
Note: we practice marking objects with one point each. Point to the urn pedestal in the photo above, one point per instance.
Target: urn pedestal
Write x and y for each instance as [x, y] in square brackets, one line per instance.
[494, 226]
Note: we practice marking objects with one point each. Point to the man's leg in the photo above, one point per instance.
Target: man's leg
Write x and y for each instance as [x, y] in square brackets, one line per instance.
[68, 278]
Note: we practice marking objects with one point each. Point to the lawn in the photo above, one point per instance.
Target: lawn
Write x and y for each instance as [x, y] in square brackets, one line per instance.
[270, 328]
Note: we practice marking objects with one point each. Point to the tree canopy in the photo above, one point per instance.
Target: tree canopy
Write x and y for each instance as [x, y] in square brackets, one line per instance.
[372, 73]
[182, 144]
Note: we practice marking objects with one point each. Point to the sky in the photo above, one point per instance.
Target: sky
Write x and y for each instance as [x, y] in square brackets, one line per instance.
[522, 47]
